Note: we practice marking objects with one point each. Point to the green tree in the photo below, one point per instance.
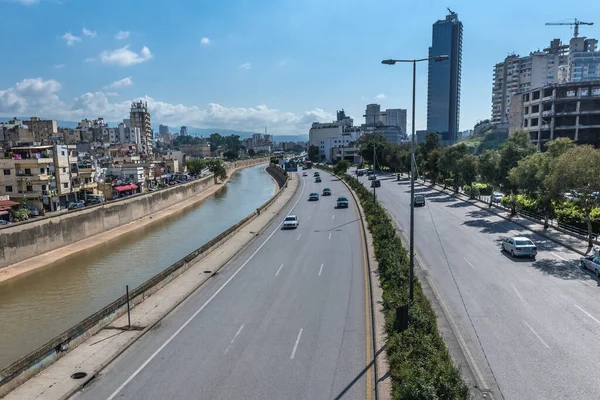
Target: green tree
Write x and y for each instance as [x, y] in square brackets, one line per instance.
[195, 166]
[449, 163]
[468, 167]
[217, 168]
[230, 155]
[431, 166]
[232, 142]
[313, 153]
[341, 167]
[216, 141]
[370, 141]
[558, 147]
[251, 153]
[394, 157]
[515, 148]
[489, 163]
[578, 169]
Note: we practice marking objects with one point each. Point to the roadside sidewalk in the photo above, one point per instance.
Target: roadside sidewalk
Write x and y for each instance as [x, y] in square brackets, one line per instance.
[571, 242]
[101, 349]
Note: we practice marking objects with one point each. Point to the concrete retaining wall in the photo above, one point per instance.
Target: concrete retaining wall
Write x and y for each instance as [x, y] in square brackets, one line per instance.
[278, 174]
[33, 363]
[24, 240]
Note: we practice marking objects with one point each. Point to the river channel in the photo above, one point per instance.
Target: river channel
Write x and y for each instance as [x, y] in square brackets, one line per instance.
[47, 302]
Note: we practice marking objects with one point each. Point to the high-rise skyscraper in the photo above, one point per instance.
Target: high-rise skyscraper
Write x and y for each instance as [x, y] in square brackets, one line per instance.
[443, 79]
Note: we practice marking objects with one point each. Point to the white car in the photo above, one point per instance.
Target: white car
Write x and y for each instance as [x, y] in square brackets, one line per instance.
[519, 246]
[497, 197]
[372, 177]
[290, 222]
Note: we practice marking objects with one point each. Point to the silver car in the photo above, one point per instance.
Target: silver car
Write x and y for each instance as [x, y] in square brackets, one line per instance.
[519, 246]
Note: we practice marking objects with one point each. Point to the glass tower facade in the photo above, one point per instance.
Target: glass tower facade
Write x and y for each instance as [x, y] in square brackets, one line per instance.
[443, 79]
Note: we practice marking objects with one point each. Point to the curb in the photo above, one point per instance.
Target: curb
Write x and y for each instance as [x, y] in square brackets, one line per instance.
[382, 371]
[491, 211]
[124, 348]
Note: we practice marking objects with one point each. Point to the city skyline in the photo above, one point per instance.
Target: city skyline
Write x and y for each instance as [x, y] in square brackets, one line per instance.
[226, 71]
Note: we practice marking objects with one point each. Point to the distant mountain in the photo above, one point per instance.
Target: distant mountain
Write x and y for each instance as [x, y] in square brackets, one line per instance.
[204, 132]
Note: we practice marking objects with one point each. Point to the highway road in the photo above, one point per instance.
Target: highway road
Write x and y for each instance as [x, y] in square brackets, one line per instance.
[285, 319]
[532, 326]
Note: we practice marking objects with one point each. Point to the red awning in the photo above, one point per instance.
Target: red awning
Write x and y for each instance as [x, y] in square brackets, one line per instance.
[122, 188]
[7, 204]
[133, 186]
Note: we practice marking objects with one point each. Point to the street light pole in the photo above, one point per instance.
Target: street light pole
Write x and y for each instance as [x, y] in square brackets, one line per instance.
[412, 166]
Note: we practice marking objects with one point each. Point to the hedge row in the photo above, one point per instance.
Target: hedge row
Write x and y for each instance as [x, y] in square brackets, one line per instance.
[420, 365]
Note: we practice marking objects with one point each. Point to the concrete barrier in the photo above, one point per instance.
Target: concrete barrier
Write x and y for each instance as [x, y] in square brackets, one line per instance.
[278, 174]
[31, 238]
[33, 363]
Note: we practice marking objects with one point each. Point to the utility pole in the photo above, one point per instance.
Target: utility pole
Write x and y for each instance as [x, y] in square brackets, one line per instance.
[374, 196]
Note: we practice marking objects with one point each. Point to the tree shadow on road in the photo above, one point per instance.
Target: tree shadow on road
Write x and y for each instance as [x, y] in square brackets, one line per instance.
[459, 204]
[446, 199]
[486, 226]
[569, 270]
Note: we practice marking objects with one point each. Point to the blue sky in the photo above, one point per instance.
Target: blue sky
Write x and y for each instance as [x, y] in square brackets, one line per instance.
[247, 64]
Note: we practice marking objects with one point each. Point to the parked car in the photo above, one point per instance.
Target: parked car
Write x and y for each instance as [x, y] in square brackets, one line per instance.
[376, 183]
[370, 171]
[4, 222]
[360, 172]
[342, 202]
[419, 200]
[313, 197]
[291, 222]
[372, 177]
[592, 262]
[326, 192]
[34, 212]
[497, 197]
[304, 174]
[76, 205]
[519, 246]
[318, 179]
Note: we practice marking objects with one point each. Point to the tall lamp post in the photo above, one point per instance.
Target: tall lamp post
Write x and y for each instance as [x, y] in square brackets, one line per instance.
[412, 166]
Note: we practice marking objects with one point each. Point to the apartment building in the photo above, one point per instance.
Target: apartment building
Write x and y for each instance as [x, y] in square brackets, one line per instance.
[14, 132]
[559, 110]
[42, 130]
[140, 118]
[335, 140]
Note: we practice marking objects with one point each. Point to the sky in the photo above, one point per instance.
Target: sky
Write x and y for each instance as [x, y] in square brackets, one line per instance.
[249, 64]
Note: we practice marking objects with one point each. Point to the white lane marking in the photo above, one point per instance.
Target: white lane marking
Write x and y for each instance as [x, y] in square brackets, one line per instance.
[314, 205]
[587, 313]
[277, 273]
[320, 269]
[190, 319]
[333, 216]
[308, 218]
[299, 237]
[557, 256]
[296, 345]
[233, 340]
[517, 293]
[536, 334]
[469, 262]
[329, 235]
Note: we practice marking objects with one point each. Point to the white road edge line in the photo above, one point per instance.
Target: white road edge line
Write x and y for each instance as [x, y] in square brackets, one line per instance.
[517, 293]
[277, 273]
[536, 334]
[320, 269]
[557, 256]
[299, 237]
[333, 216]
[587, 313]
[186, 323]
[329, 235]
[233, 340]
[469, 262]
[296, 344]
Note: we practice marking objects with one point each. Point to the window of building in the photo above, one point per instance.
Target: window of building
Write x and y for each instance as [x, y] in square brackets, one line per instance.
[527, 110]
[570, 93]
[42, 170]
[44, 187]
[535, 109]
[525, 123]
[8, 189]
[64, 169]
[584, 92]
[29, 188]
[65, 185]
[62, 153]
[27, 171]
[536, 95]
[534, 122]
[7, 172]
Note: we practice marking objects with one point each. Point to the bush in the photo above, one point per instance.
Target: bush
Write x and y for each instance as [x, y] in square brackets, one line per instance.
[467, 190]
[420, 365]
[484, 189]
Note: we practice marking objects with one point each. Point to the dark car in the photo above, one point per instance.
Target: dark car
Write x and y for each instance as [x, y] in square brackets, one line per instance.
[326, 192]
[318, 179]
[342, 202]
[376, 183]
[313, 197]
[370, 171]
[360, 172]
[419, 200]
[316, 174]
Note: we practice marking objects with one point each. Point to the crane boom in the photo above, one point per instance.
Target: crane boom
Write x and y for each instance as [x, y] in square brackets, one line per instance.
[575, 23]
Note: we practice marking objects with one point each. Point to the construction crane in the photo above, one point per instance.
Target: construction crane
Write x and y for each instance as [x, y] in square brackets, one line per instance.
[575, 23]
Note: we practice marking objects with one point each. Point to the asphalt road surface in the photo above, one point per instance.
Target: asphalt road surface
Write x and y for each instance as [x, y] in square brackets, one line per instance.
[285, 319]
[532, 326]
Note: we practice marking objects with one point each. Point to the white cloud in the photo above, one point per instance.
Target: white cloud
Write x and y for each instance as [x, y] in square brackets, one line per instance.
[59, 66]
[70, 38]
[89, 33]
[205, 41]
[380, 96]
[245, 66]
[122, 35]
[120, 83]
[123, 57]
[39, 97]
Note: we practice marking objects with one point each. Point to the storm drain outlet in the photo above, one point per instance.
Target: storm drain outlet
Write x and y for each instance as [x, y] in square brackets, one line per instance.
[79, 375]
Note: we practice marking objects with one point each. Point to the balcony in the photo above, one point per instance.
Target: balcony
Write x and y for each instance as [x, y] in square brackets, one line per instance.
[34, 177]
[34, 161]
